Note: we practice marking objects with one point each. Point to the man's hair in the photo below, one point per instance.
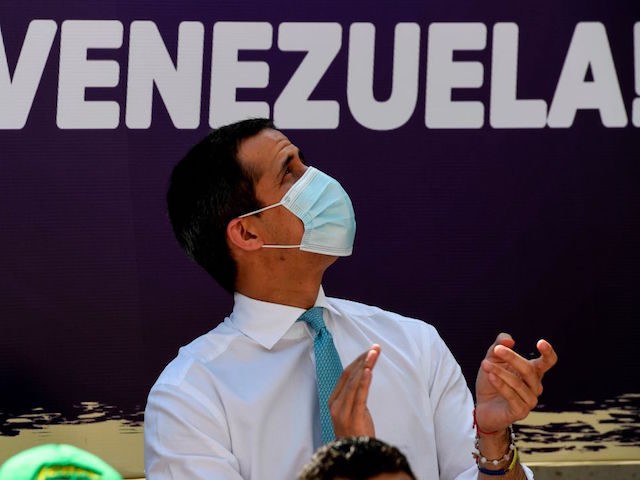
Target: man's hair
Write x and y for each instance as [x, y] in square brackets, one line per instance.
[355, 458]
[208, 188]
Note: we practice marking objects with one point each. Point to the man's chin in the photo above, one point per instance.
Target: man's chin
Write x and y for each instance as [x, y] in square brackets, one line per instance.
[322, 258]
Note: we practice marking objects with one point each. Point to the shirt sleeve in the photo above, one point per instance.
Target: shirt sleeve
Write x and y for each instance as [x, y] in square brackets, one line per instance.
[186, 437]
[452, 412]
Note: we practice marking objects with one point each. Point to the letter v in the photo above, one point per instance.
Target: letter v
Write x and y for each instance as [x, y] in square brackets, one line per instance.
[16, 96]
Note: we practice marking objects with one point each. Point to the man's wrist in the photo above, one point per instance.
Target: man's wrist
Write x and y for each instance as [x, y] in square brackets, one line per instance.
[495, 452]
[495, 445]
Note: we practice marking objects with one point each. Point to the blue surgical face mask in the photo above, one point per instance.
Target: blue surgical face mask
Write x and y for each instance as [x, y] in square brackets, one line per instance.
[325, 210]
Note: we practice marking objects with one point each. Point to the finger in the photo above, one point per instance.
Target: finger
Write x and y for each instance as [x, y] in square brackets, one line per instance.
[367, 358]
[525, 369]
[514, 384]
[548, 357]
[515, 360]
[347, 396]
[502, 339]
[362, 393]
[352, 384]
[338, 388]
[357, 363]
[531, 370]
[346, 374]
[360, 400]
[516, 407]
[372, 356]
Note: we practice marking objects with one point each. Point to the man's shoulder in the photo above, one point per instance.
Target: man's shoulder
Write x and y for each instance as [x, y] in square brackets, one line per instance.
[211, 344]
[362, 312]
[200, 351]
[398, 333]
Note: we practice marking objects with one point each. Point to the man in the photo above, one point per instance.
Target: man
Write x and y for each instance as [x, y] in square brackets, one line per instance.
[357, 458]
[241, 402]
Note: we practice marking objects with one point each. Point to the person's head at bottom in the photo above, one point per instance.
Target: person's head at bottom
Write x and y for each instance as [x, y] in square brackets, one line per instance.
[57, 462]
[357, 458]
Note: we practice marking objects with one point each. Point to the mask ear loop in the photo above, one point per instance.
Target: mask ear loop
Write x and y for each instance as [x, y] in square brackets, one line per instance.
[307, 174]
[260, 210]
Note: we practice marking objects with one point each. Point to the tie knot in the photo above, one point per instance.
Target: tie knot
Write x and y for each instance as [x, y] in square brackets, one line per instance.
[313, 318]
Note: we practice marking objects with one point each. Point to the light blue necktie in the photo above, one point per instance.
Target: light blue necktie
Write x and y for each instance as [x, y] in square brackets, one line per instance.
[328, 368]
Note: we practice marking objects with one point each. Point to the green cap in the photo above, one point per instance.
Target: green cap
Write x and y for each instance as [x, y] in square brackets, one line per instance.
[57, 462]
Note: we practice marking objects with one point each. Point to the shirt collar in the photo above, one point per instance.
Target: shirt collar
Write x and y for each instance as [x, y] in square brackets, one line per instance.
[266, 322]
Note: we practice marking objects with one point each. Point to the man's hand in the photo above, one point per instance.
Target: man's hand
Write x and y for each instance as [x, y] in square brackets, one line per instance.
[348, 402]
[508, 385]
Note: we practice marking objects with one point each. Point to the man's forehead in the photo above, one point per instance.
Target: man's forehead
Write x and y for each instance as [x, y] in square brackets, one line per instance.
[259, 153]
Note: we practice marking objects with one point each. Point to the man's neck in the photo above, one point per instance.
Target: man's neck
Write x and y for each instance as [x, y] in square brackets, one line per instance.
[291, 278]
[299, 292]
[295, 298]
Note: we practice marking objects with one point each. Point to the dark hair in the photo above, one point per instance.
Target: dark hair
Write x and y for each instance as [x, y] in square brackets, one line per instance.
[209, 188]
[355, 458]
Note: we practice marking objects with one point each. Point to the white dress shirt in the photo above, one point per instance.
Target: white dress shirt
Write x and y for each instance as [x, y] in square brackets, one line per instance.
[240, 402]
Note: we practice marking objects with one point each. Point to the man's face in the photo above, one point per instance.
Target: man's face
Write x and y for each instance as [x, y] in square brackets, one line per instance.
[276, 165]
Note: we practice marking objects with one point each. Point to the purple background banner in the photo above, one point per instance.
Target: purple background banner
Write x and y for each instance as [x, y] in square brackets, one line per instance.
[477, 230]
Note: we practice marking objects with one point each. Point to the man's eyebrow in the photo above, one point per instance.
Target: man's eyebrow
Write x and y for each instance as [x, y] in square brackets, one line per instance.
[285, 164]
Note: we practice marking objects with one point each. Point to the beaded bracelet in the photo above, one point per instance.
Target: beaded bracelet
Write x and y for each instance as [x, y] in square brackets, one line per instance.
[511, 454]
[482, 459]
[511, 466]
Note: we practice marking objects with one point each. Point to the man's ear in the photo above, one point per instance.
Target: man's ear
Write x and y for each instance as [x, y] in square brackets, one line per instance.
[240, 234]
